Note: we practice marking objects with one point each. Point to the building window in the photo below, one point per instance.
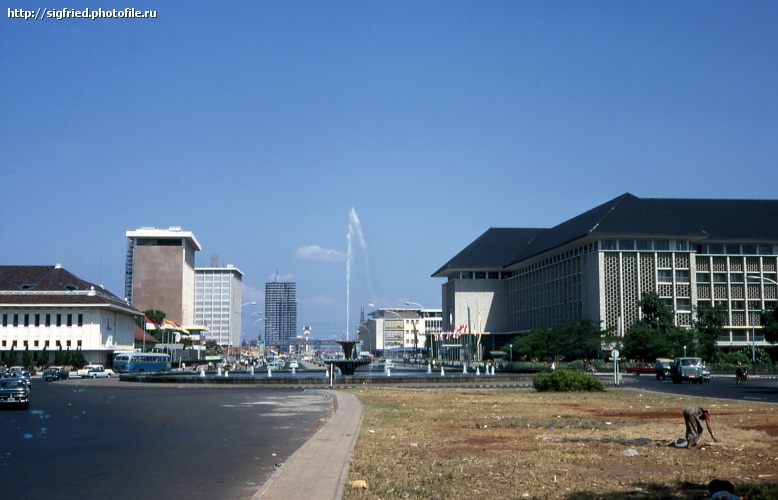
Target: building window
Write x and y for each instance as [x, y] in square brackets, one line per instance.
[664, 276]
[626, 245]
[70, 320]
[733, 249]
[682, 246]
[684, 305]
[5, 320]
[765, 249]
[719, 277]
[644, 244]
[736, 277]
[480, 275]
[80, 320]
[716, 249]
[59, 320]
[749, 249]
[37, 320]
[48, 320]
[661, 245]
[682, 276]
[703, 277]
[608, 245]
[26, 320]
[16, 320]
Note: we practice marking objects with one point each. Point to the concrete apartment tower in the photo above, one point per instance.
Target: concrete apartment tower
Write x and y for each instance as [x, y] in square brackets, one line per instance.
[160, 272]
[280, 313]
[218, 292]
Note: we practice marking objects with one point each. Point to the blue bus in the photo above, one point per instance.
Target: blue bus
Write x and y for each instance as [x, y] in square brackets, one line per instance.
[141, 362]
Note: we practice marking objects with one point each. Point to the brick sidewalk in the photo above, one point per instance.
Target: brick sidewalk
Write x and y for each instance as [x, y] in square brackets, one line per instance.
[318, 468]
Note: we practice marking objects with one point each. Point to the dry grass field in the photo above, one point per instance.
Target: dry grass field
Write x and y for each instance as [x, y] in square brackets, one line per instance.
[442, 443]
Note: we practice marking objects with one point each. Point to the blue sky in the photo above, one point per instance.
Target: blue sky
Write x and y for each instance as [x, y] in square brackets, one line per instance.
[265, 126]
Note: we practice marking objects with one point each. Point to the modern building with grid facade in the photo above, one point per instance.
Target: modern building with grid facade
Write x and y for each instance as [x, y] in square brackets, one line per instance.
[218, 293]
[280, 313]
[160, 272]
[694, 253]
[399, 329]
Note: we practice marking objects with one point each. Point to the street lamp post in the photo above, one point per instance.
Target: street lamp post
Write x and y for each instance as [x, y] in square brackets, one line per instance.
[751, 318]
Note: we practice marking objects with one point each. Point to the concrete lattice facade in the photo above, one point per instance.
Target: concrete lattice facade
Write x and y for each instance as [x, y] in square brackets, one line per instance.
[598, 266]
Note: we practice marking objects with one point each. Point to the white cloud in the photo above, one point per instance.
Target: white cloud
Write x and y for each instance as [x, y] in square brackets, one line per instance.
[315, 252]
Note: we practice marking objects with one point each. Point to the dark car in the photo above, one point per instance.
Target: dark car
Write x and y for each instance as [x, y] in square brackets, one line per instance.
[20, 373]
[14, 391]
[55, 373]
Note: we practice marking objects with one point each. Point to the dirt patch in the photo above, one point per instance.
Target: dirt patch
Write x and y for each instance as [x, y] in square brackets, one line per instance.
[517, 443]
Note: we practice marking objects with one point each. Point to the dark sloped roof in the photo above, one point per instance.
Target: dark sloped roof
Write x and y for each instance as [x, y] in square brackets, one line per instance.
[25, 285]
[742, 220]
[491, 250]
[140, 334]
[626, 215]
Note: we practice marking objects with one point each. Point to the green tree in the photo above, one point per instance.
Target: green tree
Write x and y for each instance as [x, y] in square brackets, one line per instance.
[27, 358]
[641, 342]
[212, 348]
[10, 357]
[565, 340]
[43, 358]
[656, 314]
[769, 320]
[59, 357]
[77, 359]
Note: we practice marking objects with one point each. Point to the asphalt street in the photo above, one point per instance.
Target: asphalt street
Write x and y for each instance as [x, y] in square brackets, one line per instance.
[103, 438]
[759, 388]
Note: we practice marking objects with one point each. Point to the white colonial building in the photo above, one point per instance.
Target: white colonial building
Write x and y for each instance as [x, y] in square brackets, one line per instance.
[48, 307]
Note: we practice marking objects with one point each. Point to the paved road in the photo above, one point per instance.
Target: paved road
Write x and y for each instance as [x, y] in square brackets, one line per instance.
[110, 439]
[764, 389]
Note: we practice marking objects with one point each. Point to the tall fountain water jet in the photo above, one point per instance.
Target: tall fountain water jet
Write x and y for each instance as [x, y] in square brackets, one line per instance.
[354, 231]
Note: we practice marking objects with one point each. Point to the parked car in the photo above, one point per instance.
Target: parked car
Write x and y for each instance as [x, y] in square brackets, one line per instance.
[687, 369]
[642, 368]
[94, 371]
[14, 391]
[294, 364]
[664, 368]
[275, 364]
[20, 373]
[55, 373]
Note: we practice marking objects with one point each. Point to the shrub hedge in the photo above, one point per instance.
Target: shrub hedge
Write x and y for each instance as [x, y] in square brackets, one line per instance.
[563, 380]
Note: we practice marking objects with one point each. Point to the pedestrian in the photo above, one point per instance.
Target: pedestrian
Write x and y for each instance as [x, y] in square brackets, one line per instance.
[691, 417]
[553, 366]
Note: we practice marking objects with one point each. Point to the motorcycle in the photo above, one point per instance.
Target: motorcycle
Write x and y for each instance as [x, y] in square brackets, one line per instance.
[741, 376]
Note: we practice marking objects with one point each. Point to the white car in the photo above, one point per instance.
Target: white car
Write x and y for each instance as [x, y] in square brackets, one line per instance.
[94, 371]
